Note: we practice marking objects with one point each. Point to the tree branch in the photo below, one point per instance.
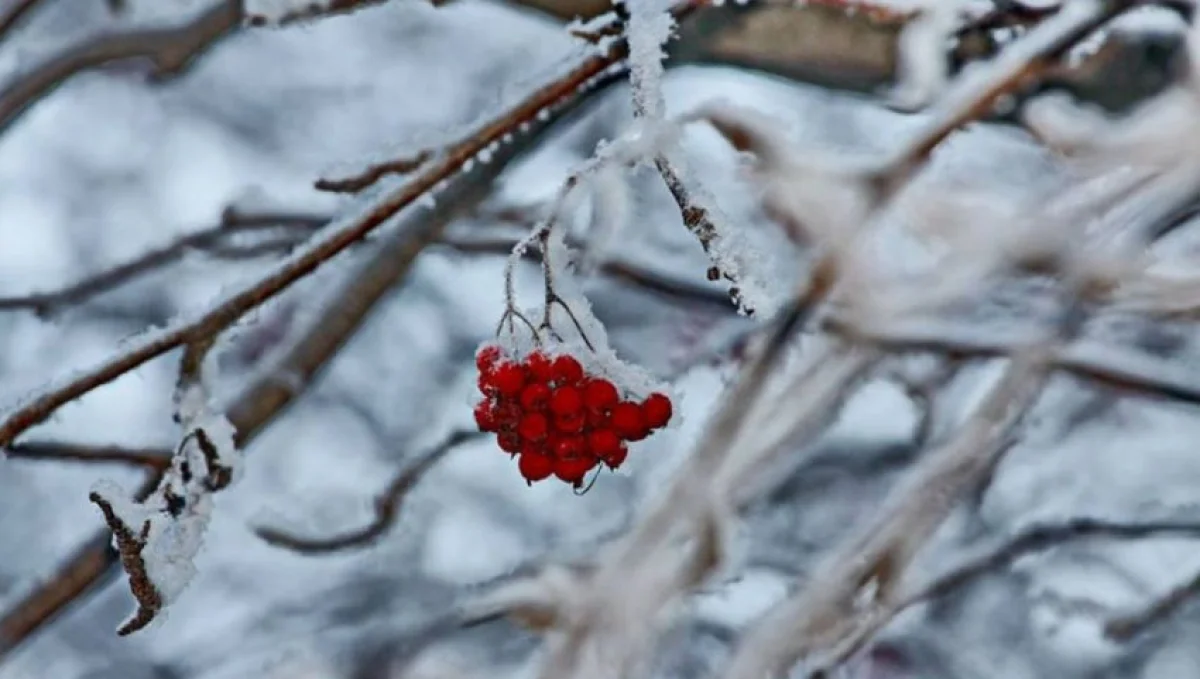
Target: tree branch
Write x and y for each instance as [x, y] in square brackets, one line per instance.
[153, 459]
[16, 13]
[211, 240]
[1127, 627]
[1041, 538]
[268, 397]
[568, 88]
[387, 506]
[169, 50]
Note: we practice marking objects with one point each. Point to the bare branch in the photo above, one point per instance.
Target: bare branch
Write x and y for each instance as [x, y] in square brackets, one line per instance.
[211, 240]
[387, 506]
[17, 12]
[1109, 366]
[372, 174]
[153, 459]
[1127, 627]
[1043, 537]
[169, 50]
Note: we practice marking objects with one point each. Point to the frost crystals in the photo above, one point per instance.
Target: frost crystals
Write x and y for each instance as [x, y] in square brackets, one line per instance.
[157, 538]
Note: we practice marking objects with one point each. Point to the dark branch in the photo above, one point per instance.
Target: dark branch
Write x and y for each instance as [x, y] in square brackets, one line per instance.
[154, 459]
[169, 50]
[1127, 627]
[387, 507]
[1041, 538]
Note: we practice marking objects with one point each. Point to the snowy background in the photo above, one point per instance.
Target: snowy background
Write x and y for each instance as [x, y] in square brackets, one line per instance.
[109, 166]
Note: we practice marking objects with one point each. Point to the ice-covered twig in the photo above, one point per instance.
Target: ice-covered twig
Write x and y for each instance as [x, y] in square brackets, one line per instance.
[974, 94]
[648, 29]
[387, 506]
[923, 67]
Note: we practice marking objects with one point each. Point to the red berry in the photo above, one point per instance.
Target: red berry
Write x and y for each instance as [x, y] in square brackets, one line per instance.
[539, 367]
[509, 442]
[597, 419]
[640, 434]
[485, 417]
[600, 395]
[617, 457]
[508, 378]
[570, 447]
[535, 466]
[603, 443]
[627, 419]
[487, 357]
[487, 383]
[566, 401]
[571, 423]
[535, 396]
[507, 414]
[567, 370]
[656, 410]
[573, 469]
[533, 427]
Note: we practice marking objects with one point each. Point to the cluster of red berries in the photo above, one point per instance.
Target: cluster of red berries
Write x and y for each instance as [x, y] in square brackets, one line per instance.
[558, 419]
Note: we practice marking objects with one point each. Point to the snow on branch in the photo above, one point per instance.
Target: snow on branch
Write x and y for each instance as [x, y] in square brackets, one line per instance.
[534, 111]
[159, 537]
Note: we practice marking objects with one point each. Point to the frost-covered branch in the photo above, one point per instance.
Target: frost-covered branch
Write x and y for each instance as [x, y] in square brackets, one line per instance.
[536, 110]
[159, 536]
[311, 347]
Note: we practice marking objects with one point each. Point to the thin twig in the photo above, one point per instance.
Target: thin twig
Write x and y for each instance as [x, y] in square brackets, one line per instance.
[154, 459]
[17, 12]
[1126, 627]
[387, 506]
[1106, 365]
[1040, 538]
[357, 182]
[169, 50]
[210, 240]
